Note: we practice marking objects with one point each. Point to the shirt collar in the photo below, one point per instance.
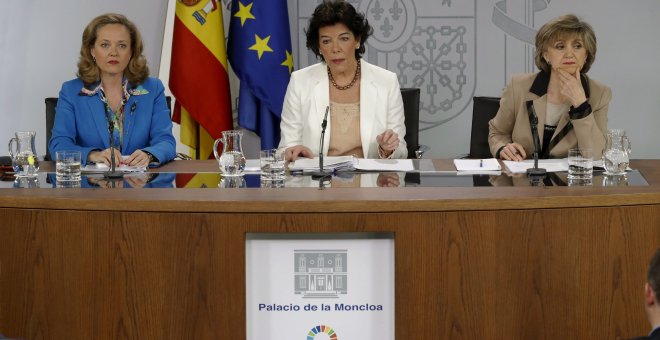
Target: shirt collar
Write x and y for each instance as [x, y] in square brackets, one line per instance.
[95, 88]
[540, 85]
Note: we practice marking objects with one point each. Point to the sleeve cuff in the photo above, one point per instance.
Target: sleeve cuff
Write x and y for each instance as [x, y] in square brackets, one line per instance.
[581, 111]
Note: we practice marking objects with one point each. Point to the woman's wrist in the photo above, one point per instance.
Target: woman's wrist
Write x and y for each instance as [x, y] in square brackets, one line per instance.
[382, 153]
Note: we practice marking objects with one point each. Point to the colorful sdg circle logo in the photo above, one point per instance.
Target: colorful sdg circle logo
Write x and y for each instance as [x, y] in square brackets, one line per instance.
[322, 329]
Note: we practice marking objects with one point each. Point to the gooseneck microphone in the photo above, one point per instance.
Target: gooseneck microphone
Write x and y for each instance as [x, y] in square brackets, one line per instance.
[535, 174]
[113, 173]
[321, 174]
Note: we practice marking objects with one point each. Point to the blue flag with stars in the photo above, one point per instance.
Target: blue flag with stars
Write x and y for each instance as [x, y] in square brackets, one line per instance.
[259, 51]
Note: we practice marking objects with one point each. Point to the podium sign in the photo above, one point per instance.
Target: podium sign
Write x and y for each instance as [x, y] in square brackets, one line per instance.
[318, 289]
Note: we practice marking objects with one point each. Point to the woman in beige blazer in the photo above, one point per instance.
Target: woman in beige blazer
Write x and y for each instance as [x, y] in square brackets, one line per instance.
[571, 108]
[363, 100]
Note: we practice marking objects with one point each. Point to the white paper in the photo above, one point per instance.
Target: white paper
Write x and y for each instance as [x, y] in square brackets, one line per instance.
[550, 165]
[476, 165]
[102, 167]
[340, 163]
[385, 164]
[329, 163]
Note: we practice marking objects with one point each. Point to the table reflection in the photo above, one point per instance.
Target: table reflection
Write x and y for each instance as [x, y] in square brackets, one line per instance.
[340, 180]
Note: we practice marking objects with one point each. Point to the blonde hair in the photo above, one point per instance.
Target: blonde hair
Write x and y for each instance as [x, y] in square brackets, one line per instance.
[565, 25]
[136, 71]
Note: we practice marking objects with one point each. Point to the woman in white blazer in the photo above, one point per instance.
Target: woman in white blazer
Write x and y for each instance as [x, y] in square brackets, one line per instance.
[363, 100]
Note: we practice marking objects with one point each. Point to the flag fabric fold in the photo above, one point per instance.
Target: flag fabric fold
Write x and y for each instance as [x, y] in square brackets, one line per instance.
[198, 75]
[260, 54]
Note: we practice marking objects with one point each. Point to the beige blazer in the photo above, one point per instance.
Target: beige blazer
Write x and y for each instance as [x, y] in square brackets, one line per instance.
[511, 124]
[308, 95]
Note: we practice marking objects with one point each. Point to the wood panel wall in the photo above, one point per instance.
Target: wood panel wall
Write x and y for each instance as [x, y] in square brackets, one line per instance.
[574, 273]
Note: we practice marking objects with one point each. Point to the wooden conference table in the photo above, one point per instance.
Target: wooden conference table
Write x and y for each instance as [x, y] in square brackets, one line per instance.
[507, 262]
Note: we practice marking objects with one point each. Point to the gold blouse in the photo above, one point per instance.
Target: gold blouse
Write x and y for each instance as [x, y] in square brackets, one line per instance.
[345, 130]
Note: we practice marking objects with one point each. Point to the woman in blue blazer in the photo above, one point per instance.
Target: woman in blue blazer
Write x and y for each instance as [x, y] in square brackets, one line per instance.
[113, 92]
[363, 100]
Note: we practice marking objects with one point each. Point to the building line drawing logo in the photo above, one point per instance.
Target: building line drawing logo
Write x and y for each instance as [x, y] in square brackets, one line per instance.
[320, 273]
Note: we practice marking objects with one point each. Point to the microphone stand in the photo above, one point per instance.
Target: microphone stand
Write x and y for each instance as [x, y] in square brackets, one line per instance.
[535, 174]
[322, 175]
[113, 174]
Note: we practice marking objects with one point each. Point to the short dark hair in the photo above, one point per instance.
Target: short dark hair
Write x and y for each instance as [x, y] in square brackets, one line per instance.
[136, 70]
[568, 24]
[653, 275]
[333, 12]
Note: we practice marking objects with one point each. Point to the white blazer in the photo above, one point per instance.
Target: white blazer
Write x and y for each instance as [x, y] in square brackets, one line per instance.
[308, 96]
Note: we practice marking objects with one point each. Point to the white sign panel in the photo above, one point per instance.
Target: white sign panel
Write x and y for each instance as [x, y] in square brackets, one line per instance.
[320, 289]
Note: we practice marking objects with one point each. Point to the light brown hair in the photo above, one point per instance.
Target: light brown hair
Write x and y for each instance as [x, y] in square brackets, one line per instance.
[565, 25]
[136, 71]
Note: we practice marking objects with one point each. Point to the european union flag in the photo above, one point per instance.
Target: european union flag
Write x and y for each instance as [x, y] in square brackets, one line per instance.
[259, 50]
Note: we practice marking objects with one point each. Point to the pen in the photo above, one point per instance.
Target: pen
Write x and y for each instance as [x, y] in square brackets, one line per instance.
[481, 163]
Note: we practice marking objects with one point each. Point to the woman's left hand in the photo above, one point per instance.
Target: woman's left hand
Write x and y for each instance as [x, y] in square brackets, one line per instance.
[388, 141]
[138, 158]
[570, 87]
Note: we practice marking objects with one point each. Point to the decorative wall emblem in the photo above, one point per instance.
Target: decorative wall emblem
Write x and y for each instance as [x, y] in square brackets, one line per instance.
[431, 46]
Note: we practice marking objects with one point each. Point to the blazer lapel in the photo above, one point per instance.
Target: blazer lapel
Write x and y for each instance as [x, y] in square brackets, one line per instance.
[321, 101]
[97, 110]
[540, 106]
[130, 111]
[369, 103]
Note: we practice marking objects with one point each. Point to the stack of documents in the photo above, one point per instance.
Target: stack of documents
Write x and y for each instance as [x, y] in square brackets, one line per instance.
[488, 166]
[350, 163]
[102, 167]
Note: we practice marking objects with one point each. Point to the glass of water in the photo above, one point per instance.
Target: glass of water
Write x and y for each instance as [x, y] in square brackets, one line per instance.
[67, 166]
[272, 164]
[580, 164]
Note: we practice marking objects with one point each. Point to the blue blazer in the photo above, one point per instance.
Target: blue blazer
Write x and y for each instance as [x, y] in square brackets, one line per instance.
[81, 123]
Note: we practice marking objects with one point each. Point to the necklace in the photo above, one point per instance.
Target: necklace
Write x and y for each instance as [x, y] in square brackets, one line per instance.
[346, 87]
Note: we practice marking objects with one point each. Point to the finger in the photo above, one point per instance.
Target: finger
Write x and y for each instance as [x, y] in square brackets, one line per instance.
[307, 153]
[513, 154]
[386, 136]
[133, 158]
[394, 138]
[520, 151]
[506, 154]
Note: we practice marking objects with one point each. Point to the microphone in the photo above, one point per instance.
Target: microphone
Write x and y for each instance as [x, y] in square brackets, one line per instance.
[133, 107]
[321, 174]
[535, 174]
[113, 173]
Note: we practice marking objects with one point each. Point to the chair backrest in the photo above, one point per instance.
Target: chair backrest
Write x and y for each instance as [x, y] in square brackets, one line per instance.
[410, 98]
[483, 110]
[51, 104]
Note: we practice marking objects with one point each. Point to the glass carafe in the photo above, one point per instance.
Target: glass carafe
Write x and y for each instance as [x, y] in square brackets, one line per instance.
[232, 160]
[24, 155]
[617, 152]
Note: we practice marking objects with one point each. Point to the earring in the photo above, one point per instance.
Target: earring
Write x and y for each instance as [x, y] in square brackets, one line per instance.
[94, 58]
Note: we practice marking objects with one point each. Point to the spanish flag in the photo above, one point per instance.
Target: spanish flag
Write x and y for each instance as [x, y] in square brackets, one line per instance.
[198, 75]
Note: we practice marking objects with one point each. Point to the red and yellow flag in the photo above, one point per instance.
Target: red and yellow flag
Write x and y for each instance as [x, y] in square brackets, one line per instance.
[198, 74]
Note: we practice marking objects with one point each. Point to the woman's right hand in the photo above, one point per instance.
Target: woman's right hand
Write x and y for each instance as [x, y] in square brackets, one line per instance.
[104, 156]
[513, 152]
[292, 153]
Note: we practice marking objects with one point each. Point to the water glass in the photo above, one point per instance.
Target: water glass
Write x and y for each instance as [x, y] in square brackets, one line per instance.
[580, 164]
[272, 184]
[67, 166]
[272, 164]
